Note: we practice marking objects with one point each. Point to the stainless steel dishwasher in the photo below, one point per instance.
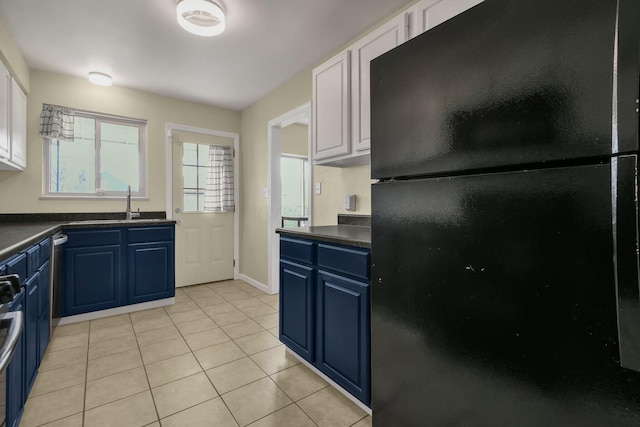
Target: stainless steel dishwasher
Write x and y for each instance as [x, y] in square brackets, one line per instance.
[56, 277]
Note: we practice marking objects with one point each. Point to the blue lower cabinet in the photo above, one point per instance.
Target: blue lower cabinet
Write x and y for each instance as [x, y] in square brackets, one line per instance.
[297, 300]
[112, 267]
[344, 342]
[325, 310]
[32, 314]
[151, 271]
[44, 320]
[93, 279]
[15, 391]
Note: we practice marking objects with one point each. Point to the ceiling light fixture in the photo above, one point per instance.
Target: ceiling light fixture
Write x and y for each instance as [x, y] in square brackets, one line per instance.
[201, 17]
[100, 79]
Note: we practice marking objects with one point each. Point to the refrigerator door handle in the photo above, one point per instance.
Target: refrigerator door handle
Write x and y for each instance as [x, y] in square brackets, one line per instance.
[624, 182]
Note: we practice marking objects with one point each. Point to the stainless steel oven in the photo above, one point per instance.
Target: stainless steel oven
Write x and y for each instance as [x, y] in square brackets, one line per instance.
[11, 325]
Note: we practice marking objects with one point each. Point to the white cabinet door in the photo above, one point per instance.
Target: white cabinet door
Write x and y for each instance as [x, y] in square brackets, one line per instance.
[381, 40]
[431, 13]
[330, 124]
[5, 84]
[18, 125]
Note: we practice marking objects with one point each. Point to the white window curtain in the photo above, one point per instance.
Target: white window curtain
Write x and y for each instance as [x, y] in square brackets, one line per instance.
[56, 122]
[218, 196]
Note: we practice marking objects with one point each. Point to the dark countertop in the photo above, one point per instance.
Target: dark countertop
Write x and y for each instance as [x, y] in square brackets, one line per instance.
[351, 235]
[16, 236]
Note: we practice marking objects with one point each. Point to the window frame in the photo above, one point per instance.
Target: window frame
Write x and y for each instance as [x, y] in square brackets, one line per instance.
[196, 189]
[100, 194]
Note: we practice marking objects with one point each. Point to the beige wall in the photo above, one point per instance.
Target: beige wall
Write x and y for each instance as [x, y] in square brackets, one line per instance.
[24, 189]
[12, 57]
[336, 182]
[295, 140]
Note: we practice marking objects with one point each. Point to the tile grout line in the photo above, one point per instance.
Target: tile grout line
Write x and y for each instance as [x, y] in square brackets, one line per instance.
[188, 299]
[205, 372]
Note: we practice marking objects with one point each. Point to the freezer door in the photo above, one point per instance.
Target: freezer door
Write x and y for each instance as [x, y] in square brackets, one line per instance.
[625, 229]
[494, 302]
[509, 82]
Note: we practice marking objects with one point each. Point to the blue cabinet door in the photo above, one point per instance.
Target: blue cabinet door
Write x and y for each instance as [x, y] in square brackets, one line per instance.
[297, 308]
[15, 372]
[343, 333]
[151, 272]
[43, 307]
[93, 279]
[31, 330]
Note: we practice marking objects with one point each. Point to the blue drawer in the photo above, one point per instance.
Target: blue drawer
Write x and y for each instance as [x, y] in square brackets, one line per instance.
[297, 250]
[151, 234]
[94, 237]
[45, 250]
[346, 260]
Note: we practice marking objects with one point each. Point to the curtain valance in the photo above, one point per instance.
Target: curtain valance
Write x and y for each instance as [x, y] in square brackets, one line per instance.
[56, 122]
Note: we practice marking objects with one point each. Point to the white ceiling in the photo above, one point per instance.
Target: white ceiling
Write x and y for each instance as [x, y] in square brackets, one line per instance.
[140, 44]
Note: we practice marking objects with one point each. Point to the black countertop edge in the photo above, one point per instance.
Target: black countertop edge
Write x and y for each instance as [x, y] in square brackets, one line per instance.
[350, 235]
[17, 236]
[359, 220]
[73, 216]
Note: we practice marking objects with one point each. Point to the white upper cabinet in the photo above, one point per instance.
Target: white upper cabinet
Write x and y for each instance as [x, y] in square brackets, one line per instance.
[341, 125]
[330, 124]
[5, 84]
[18, 126]
[382, 40]
[428, 14]
[341, 97]
[13, 123]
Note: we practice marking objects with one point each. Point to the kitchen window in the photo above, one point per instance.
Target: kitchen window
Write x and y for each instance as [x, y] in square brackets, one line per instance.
[106, 156]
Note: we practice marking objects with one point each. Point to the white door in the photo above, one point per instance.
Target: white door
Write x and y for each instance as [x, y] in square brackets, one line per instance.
[204, 240]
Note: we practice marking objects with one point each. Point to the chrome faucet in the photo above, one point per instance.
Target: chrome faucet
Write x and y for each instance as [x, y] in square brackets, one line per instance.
[131, 215]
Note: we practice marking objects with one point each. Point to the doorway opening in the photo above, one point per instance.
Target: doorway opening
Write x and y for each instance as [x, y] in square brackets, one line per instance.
[289, 138]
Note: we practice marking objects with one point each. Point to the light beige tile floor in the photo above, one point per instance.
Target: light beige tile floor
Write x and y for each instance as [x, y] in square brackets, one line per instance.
[212, 358]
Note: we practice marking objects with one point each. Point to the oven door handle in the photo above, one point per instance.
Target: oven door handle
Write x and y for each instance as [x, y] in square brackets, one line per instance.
[11, 341]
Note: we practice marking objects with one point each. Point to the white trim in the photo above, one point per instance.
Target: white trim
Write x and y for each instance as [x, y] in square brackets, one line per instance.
[335, 385]
[274, 188]
[253, 282]
[114, 311]
[170, 127]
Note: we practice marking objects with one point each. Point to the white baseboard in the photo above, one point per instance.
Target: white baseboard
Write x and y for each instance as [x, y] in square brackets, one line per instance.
[255, 283]
[113, 311]
[335, 385]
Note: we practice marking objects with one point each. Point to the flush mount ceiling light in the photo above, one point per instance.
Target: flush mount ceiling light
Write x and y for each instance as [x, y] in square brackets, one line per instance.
[100, 79]
[201, 17]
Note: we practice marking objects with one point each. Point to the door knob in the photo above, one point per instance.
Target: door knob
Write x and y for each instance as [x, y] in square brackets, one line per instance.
[178, 210]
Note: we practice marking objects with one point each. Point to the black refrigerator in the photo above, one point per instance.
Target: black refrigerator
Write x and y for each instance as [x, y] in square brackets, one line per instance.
[505, 269]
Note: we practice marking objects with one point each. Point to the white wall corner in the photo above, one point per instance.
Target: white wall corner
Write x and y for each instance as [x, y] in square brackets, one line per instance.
[264, 288]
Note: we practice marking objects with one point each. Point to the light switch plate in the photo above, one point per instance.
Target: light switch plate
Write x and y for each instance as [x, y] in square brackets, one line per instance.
[318, 188]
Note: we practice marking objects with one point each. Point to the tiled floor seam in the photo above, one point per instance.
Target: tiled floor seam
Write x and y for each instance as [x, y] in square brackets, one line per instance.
[86, 376]
[246, 355]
